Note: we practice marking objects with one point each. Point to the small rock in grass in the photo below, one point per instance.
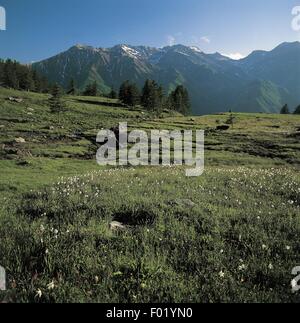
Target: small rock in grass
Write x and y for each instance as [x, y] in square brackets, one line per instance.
[185, 203]
[117, 226]
[13, 99]
[20, 140]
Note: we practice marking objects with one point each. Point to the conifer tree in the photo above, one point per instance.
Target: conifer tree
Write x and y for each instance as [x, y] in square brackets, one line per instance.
[133, 95]
[87, 91]
[37, 82]
[21, 77]
[297, 110]
[152, 96]
[91, 89]
[179, 100]
[94, 89]
[72, 88]
[56, 103]
[129, 94]
[10, 77]
[285, 110]
[123, 92]
[26, 81]
[113, 94]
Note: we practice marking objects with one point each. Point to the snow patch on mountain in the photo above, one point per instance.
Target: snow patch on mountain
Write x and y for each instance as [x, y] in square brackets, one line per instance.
[130, 52]
[196, 49]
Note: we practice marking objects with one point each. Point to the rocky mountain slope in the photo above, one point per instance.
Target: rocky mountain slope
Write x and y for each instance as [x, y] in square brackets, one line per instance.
[262, 82]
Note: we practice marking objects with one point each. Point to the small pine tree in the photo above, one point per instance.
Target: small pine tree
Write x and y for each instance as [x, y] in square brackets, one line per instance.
[297, 110]
[72, 88]
[285, 110]
[123, 92]
[146, 96]
[56, 103]
[94, 89]
[87, 91]
[134, 96]
[113, 94]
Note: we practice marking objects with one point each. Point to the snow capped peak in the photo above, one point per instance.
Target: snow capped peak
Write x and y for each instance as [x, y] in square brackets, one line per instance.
[80, 46]
[86, 47]
[130, 51]
[126, 48]
[196, 49]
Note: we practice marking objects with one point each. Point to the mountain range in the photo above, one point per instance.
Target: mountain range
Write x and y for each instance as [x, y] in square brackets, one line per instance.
[262, 82]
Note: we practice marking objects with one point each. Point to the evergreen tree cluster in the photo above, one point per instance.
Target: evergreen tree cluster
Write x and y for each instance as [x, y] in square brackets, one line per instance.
[129, 94]
[21, 77]
[152, 97]
[179, 100]
[285, 110]
[91, 89]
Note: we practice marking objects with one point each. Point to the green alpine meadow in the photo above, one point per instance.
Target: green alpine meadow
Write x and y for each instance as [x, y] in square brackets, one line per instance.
[72, 231]
[149, 154]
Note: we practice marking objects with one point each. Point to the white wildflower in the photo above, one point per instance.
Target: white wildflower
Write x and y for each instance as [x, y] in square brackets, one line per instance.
[242, 267]
[51, 285]
[38, 293]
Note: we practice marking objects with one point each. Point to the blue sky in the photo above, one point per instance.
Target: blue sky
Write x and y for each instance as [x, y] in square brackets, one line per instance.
[37, 29]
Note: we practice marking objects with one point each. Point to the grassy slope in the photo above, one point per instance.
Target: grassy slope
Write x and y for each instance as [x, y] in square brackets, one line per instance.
[237, 243]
